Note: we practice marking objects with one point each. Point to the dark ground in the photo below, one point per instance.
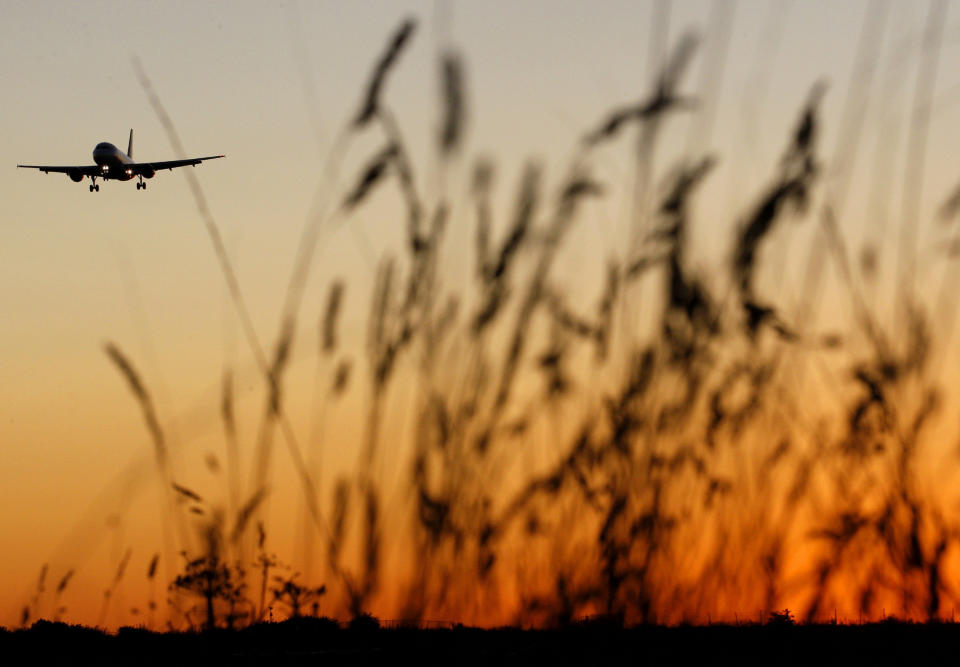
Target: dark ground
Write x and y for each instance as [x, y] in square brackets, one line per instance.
[322, 642]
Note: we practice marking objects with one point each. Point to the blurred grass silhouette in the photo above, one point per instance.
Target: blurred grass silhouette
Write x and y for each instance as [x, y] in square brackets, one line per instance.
[698, 482]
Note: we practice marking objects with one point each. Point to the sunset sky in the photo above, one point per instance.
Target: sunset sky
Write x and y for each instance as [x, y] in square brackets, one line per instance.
[270, 85]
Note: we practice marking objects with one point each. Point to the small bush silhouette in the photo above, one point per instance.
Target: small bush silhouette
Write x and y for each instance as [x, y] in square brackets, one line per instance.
[364, 623]
[781, 618]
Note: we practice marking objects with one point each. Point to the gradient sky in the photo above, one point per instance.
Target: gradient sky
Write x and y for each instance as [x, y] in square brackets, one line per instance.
[269, 85]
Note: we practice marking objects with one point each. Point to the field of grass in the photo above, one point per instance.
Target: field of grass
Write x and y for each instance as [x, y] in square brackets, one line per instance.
[676, 446]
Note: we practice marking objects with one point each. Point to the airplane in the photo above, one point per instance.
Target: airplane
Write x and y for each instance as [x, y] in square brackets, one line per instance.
[114, 164]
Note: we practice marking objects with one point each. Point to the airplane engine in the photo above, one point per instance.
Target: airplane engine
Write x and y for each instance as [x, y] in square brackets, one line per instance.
[75, 176]
[148, 172]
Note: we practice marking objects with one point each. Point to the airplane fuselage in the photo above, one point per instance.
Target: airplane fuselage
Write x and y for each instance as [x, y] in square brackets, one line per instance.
[113, 162]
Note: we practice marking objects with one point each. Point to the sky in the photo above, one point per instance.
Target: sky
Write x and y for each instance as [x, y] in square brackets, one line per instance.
[270, 85]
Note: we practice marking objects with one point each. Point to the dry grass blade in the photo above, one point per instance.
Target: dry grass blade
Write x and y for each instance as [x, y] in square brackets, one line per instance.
[677, 65]
[41, 580]
[371, 101]
[578, 186]
[228, 417]
[522, 221]
[152, 568]
[281, 355]
[341, 506]
[575, 190]
[226, 406]
[372, 175]
[226, 267]
[187, 493]
[328, 325]
[917, 141]
[792, 188]
[381, 306]
[371, 542]
[122, 566]
[454, 107]
[494, 271]
[612, 125]
[482, 180]
[64, 581]
[664, 97]
[143, 398]
[341, 378]
[245, 513]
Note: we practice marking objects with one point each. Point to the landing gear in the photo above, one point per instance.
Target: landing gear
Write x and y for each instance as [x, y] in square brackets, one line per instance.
[141, 184]
[93, 186]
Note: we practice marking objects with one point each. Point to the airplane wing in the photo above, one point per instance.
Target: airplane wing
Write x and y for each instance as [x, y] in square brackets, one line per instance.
[173, 164]
[91, 170]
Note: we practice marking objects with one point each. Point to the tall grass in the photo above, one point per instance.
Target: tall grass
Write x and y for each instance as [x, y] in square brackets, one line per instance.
[684, 470]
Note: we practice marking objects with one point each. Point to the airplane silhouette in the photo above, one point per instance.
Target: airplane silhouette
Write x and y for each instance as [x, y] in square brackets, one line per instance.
[114, 164]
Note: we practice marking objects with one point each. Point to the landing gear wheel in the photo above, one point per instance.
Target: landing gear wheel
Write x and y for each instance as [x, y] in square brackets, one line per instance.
[138, 186]
[144, 186]
[91, 188]
[97, 188]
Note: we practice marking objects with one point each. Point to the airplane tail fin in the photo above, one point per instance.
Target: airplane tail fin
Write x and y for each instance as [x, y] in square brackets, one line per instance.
[130, 145]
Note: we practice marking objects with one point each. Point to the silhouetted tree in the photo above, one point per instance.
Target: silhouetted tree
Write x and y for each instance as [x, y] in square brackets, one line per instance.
[297, 596]
[213, 580]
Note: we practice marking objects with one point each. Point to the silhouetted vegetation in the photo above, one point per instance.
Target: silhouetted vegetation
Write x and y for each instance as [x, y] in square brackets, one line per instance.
[308, 641]
[683, 470]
